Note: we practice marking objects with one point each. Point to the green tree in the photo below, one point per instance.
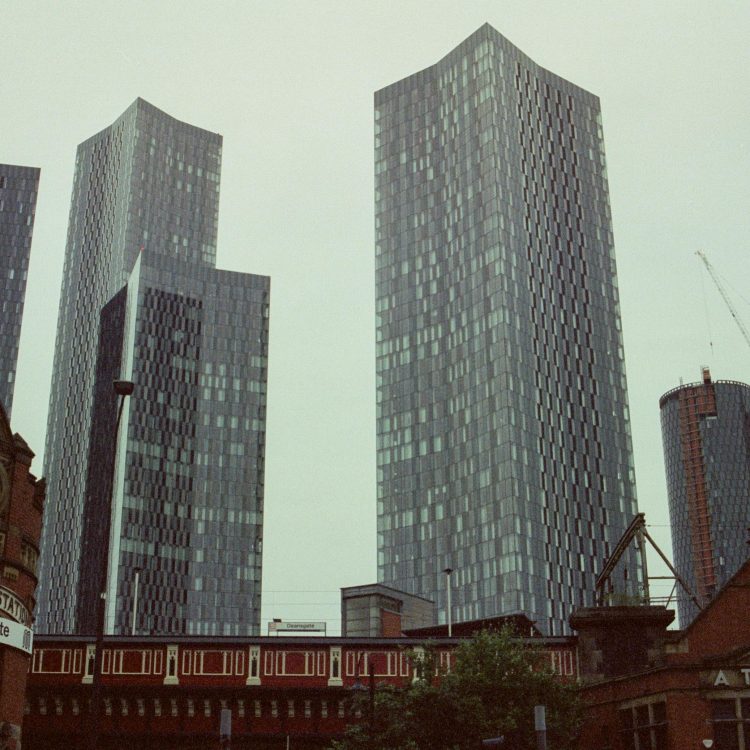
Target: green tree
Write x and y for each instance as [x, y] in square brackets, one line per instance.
[491, 691]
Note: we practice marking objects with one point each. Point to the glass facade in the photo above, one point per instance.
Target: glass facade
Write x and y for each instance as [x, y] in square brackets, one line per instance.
[18, 191]
[143, 301]
[706, 436]
[504, 447]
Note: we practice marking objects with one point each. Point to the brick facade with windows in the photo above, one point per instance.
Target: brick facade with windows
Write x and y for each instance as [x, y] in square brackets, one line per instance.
[643, 687]
[691, 685]
[169, 692]
[21, 506]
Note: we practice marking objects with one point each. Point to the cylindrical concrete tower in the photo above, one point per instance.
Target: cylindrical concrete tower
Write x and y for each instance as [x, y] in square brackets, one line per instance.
[706, 434]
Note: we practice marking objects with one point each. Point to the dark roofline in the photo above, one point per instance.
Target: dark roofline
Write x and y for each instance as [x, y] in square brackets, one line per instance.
[731, 583]
[674, 392]
[208, 640]
[486, 32]
[468, 627]
[389, 588]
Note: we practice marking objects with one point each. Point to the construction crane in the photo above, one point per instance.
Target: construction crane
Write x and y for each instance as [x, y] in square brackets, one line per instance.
[724, 295]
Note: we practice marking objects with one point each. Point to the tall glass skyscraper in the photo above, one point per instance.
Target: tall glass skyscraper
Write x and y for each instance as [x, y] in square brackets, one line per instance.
[142, 300]
[706, 434]
[504, 448]
[18, 191]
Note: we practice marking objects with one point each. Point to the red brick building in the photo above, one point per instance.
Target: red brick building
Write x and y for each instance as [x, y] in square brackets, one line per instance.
[643, 687]
[169, 692]
[679, 688]
[21, 507]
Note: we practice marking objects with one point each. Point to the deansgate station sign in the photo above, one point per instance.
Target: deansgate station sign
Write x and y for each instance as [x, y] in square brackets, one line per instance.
[286, 626]
[727, 677]
[11, 605]
[15, 635]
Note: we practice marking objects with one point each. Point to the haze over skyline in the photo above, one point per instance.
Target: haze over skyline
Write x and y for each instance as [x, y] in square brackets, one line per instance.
[290, 85]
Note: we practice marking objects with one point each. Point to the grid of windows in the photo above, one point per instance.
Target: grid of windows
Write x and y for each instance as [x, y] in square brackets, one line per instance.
[503, 435]
[731, 723]
[18, 191]
[189, 499]
[644, 726]
[706, 437]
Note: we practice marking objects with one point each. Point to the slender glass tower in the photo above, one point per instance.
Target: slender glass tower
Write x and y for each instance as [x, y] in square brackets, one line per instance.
[504, 448]
[706, 434]
[18, 190]
[142, 300]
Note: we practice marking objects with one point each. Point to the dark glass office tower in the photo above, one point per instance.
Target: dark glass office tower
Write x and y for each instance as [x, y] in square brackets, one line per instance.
[504, 448]
[706, 434]
[142, 301]
[18, 191]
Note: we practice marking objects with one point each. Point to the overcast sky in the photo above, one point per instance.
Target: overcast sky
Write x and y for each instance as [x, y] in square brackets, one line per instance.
[290, 86]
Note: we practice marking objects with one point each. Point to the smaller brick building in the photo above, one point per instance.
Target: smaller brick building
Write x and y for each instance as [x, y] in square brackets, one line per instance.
[21, 506]
[646, 688]
[376, 610]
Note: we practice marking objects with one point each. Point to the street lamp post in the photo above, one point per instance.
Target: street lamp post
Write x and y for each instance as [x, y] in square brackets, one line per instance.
[371, 685]
[123, 389]
[135, 600]
[449, 614]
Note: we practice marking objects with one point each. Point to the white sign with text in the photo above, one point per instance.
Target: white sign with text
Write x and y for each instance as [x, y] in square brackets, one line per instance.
[15, 635]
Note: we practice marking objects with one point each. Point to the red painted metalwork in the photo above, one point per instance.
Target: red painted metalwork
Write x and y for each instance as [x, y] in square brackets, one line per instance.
[695, 404]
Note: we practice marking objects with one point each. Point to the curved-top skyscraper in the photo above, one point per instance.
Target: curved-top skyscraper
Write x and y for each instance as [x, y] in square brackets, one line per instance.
[706, 434]
[142, 300]
[18, 190]
[504, 448]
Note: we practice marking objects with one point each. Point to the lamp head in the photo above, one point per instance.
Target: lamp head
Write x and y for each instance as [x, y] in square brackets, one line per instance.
[123, 387]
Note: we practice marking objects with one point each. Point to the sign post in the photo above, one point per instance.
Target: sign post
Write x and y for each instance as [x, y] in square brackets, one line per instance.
[540, 725]
[225, 728]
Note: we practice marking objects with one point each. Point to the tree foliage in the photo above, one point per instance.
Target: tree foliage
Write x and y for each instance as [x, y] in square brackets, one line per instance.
[491, 691]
